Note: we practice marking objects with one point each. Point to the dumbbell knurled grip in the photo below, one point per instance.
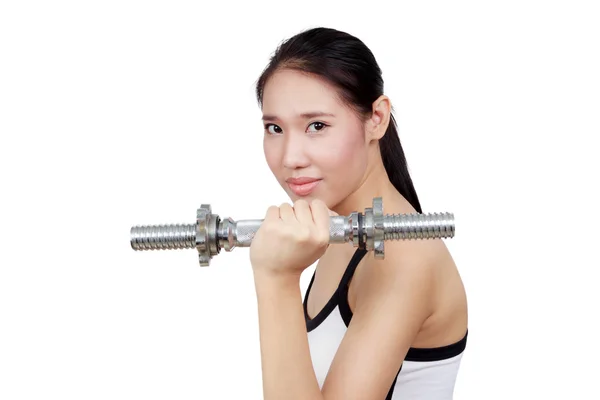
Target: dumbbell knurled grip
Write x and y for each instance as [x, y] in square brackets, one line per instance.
[244, 230]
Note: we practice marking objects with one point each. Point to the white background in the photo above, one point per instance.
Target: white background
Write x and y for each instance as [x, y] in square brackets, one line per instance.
[119, 113]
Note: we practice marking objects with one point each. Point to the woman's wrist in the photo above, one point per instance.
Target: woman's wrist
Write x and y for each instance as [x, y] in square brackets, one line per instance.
[279, 279]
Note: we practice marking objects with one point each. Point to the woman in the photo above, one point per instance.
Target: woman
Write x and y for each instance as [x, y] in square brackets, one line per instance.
[367, 328]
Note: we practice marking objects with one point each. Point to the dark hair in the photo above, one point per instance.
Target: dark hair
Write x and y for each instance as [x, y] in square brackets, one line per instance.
[348, 64]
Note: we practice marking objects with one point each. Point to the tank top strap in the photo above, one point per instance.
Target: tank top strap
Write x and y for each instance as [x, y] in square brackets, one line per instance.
[343, 288]
[335, 299]
[354, 261]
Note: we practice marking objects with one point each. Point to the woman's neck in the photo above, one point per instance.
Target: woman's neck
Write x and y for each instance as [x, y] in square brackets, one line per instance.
[375, 184]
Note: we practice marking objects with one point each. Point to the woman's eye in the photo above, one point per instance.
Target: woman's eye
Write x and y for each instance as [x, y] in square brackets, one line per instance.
[273, 129]
[318, 126]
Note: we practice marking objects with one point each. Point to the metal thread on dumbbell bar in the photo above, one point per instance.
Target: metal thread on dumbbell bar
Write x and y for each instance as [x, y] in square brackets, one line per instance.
[369, 230]
[163, 237]
[418, 226]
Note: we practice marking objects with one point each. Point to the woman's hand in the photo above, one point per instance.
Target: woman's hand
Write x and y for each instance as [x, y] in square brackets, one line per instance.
[290, 239]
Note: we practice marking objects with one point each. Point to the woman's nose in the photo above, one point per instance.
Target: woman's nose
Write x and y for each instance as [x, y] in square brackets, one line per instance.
[294, 152]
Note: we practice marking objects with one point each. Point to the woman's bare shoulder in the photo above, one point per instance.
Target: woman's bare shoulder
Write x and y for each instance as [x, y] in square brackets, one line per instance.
[426, 268]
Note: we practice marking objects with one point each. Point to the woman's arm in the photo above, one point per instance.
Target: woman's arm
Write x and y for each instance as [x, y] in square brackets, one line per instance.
[394, 301]
[286, 363]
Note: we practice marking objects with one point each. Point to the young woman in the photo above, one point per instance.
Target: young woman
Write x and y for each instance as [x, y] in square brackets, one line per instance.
[367, 328]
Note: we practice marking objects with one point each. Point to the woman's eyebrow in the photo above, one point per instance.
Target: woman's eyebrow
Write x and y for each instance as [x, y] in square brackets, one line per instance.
[305, 115]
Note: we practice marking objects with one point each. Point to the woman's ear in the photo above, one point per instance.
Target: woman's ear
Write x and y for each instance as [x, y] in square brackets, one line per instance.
[380, 118]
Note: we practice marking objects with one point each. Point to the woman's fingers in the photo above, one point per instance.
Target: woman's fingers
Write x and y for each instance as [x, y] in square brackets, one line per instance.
[286, 213]
[303, 213]
[308, 220]
[272, 213]
[321, 216]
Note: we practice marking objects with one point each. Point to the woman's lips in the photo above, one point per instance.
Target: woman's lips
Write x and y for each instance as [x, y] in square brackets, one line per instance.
[303, 189]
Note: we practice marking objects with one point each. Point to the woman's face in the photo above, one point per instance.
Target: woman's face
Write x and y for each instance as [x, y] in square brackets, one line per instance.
[314, 144]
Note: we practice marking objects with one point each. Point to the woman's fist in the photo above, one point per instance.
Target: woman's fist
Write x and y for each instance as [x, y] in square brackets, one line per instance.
[291, 238]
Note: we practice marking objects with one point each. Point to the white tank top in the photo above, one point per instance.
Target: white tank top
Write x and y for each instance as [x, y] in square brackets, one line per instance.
[425, 374]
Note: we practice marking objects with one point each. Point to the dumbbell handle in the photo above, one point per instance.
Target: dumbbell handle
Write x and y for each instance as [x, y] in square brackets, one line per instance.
[243, 231]
[366, 230]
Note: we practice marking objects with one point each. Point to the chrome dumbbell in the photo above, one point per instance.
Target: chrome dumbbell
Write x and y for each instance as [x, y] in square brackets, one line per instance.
[368, 230]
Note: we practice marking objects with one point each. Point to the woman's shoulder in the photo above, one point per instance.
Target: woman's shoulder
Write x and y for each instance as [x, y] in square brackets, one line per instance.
[406, 262]
[410, 261]
[423, 273]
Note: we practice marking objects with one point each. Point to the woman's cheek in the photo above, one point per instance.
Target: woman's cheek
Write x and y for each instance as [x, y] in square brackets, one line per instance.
[343, 154]
[342, 166]
[273, 158]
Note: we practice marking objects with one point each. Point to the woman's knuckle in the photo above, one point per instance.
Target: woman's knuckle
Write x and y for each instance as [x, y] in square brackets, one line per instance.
[300, 203]
[324, 239]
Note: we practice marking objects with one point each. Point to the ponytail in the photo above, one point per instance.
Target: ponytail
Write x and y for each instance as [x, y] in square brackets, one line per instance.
[395, 164]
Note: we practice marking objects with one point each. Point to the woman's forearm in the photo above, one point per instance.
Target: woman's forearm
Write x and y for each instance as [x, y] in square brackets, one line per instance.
[285, 356]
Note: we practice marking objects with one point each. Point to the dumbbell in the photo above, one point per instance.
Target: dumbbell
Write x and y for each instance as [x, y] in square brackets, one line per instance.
[368, 230]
